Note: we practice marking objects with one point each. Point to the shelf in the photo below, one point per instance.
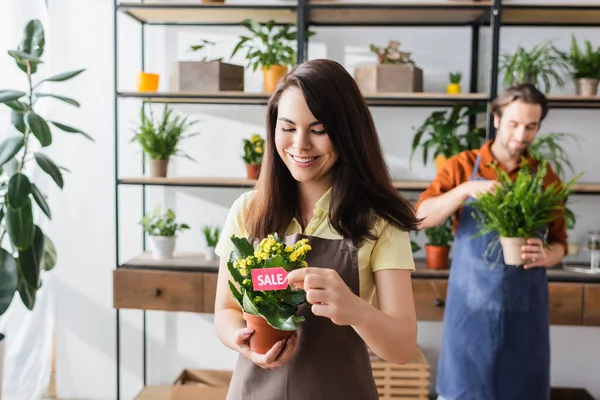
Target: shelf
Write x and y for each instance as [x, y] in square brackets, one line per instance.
[440, 13]
[550, 15]
[181, 261]
[192, 13]
[574, 101]
[240, 98]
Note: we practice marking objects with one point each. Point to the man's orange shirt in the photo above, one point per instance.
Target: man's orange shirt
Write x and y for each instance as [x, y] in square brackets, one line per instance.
[458, 169]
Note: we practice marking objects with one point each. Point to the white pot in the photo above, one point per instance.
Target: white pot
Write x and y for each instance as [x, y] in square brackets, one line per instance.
[2, 350]
[511, 248]
[162, 247]
[209, 253]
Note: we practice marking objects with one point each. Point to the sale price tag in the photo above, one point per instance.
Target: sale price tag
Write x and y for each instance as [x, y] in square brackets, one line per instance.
[269, 279]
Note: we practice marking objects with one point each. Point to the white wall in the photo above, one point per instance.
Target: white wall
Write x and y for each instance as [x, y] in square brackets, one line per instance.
[84, 228]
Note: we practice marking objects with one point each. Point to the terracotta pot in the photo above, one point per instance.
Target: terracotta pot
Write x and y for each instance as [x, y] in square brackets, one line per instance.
[511, 249]
[439, 161]
[272, 74]
[213, 1]
[586, 86]
[437, 256]
[147, 82]
[264, 336]
[453, 88]
[573, 249]
[253, 171]
[158, 168]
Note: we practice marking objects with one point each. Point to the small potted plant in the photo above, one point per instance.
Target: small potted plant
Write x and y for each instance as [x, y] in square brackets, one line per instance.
[160, 138]
[272, 314]
[395, 71]
[253, 150]
[521, 209]
[437, 249]
[444, 139]
[584, 67]
[542, 64]
[269, 47]
[454, 86]
[161, 229]
[211, 236]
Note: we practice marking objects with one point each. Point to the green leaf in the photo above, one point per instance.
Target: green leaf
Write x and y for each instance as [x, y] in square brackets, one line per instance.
[19, 224]
[30, 259]
[273, 262]
[65, 76]
[294, 297]
[248, 305]
[67, 100]
[17, 120]
[17, 106]
[9, 279]
[236, 294]
[23, 59]
[33, 39]
[242, 247]
[9, 147]
[50, 254]
[27, 293]
[48, 166]
[279, 319]
[40, 200]
[70, 129]
[19, 188]
[10, 95]
[38, 126]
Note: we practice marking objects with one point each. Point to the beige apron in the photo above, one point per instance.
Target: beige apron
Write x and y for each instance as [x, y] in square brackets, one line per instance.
[331, 362]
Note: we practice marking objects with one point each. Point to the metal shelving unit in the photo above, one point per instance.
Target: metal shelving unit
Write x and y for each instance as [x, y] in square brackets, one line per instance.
[450, 14]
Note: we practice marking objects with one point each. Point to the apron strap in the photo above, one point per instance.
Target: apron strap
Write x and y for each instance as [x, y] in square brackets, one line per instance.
[476, 167]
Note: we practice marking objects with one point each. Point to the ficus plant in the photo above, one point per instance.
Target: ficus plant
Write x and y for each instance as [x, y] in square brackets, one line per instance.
[27, 250]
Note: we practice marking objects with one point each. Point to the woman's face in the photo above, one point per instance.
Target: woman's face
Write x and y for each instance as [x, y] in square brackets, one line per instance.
[301, 140]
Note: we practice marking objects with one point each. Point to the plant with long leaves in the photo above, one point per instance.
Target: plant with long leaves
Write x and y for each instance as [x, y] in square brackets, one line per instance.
[443, 128]
[583, 63]
[524, 207]
[267, 44]
[28, 251]
[542, 64]
[440, 235]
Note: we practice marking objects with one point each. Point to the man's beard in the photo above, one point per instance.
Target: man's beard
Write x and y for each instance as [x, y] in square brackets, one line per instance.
[516, 152]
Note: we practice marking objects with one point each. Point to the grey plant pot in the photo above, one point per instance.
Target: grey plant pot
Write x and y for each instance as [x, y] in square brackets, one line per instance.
[586, 86]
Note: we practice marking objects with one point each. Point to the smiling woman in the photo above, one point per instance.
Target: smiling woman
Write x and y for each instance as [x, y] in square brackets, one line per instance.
[324, 178]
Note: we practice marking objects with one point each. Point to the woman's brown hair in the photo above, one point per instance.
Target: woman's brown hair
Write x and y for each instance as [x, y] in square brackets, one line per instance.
[362, 187]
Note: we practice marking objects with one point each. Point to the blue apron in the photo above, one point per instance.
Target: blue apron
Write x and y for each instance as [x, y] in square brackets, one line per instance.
[496, 327]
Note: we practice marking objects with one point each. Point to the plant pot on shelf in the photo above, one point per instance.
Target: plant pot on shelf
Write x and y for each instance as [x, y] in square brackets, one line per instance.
[453, 88]
[586, 86]
[206, 76]
[147, 82]
[162, 247]
[511, 250]
[253, 171]
[209, 253]
[264, 336]
[158, 168]
[389, 78]
[271, 76]
[437, 256]
[573, 249]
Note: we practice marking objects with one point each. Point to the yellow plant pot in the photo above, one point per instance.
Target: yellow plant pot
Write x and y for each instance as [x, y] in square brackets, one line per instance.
[453, 88]
[439, 161]
[147, 82]
[272, 74]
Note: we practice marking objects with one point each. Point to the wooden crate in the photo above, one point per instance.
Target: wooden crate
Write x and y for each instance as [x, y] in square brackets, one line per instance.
[407, 381]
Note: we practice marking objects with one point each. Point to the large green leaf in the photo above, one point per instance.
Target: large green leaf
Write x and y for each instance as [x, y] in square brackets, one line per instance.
[19, 188]
[23, 59]
[9, 148]
[279, 319]
[48, 166]
[38, 126]
[62, 77]
[40, 200]
[33, 39]
[19, 224]
[70, 129]
[27, 293]
[249, 306]
[67, 100]
[50, 254]
[17, 105]
[237, 296]
[10, 95]
[30, 259]
[294, 297]
[242, 247]
[9, 279]
[17, 120]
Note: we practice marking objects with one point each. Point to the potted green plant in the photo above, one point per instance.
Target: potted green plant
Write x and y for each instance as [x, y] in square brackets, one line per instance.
[25, 249]
[454, 86]
[161, 229]
[437, 249]
[272, 314]
[253, 151]
[444, 139]
[160, 138]
[584, 67]
[520, 209]
[269, 47]
[395, 71]
[542, 64]
[211, 236]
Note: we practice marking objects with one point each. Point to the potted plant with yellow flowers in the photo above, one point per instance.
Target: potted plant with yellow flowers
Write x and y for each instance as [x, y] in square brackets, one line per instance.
[259, 286]
[253, 150]
[520, 209]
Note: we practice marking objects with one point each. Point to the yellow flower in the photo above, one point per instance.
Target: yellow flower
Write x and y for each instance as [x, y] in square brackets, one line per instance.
[267, 248]
[244, 271]
[255, 138]
[249, 261]
[243, 263]
[293, 256]
[304, 264]
[289, 249]
[259, 150]
[246, 281]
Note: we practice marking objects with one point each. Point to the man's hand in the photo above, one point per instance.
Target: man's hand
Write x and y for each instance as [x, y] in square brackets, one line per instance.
[475, 189]
[535, 255]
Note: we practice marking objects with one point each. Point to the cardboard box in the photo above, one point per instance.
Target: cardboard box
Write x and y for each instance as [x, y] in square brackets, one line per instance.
[209, 76]
[389, 78]
[191, 384]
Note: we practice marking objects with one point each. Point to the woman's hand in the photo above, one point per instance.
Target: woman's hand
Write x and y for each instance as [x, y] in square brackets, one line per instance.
[329, 295]
[278, 355]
